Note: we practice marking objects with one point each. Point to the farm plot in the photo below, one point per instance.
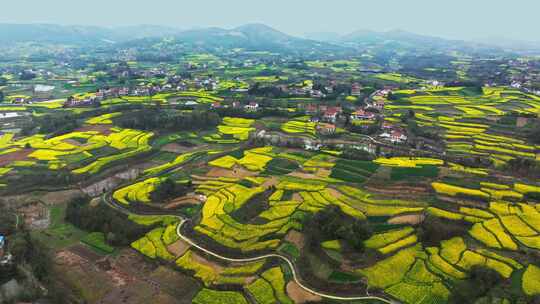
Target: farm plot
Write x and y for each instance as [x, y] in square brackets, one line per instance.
[463, 105]
[218, 224]
[227, 195]
[253, 160]
[179, 160]
[270, 288]
[300, 127]
[104, 119]
[213, 274]
[129, 142]
[208, 296]
[74, 148]
[531, 280]
[138, 192]
[232, 130]
[154, 243]
[405, 276]
[413, 275]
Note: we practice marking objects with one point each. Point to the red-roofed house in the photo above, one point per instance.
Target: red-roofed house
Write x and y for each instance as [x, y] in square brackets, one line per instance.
[330, 115]
[361, 114]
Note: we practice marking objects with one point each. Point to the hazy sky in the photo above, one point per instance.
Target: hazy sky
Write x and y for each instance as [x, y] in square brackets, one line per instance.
[466, 19]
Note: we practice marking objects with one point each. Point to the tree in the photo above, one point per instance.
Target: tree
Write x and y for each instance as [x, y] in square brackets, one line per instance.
[433, 230]
[1, 96]
[27, 75]
[481, 281]
[331, 223]
[7, 222]
[168, 189]
[534, 134]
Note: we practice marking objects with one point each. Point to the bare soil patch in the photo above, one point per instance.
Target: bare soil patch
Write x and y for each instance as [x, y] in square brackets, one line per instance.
[174, 148]
[296, 197]
[35, 215]
[295, 237]
[60, 197]
[299, 295]
[334, 192]
[85, 253]
[304, 175]
[103, 129]
[126, 278]
[15, 156]
[199, 259]
[236, 172]
[324, 172]
[73, 142]
[272, 181]
[178, 248]
[185, 200]
[412, 219]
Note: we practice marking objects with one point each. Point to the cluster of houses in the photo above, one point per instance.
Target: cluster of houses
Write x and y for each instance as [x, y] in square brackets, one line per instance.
[325, 113]
[393, 133]
[306, 90]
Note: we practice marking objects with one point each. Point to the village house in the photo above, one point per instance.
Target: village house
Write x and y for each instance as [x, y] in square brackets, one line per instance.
[331, 113]
[72, 102]
[356, 89]
[312, 146]
[329, 89]
[216, 105]
[252, 106]
[516, 84]
[394, 136]
[311, 109]
[43, 91]
[317, 94]
[378, 104]
[191, 103]
[361, 114]
[124, 91]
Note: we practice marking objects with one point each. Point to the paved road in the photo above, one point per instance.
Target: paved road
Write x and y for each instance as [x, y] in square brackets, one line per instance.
[283, 258]
[109, 201]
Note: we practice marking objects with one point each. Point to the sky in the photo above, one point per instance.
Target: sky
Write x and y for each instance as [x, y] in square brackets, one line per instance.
[458, 19]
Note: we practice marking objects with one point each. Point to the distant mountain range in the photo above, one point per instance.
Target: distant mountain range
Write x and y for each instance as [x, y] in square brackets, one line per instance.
[51, 33]
[255, 36]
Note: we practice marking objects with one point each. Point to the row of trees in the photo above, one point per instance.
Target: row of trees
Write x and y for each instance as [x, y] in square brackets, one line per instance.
[158, 119]
[118, 229]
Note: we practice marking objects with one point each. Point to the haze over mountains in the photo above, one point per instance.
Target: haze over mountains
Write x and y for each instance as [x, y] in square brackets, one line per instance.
[249, 35]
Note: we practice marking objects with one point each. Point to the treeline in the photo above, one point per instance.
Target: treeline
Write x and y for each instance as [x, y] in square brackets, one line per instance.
[158, 119]
[118, 229]
[263, 112]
